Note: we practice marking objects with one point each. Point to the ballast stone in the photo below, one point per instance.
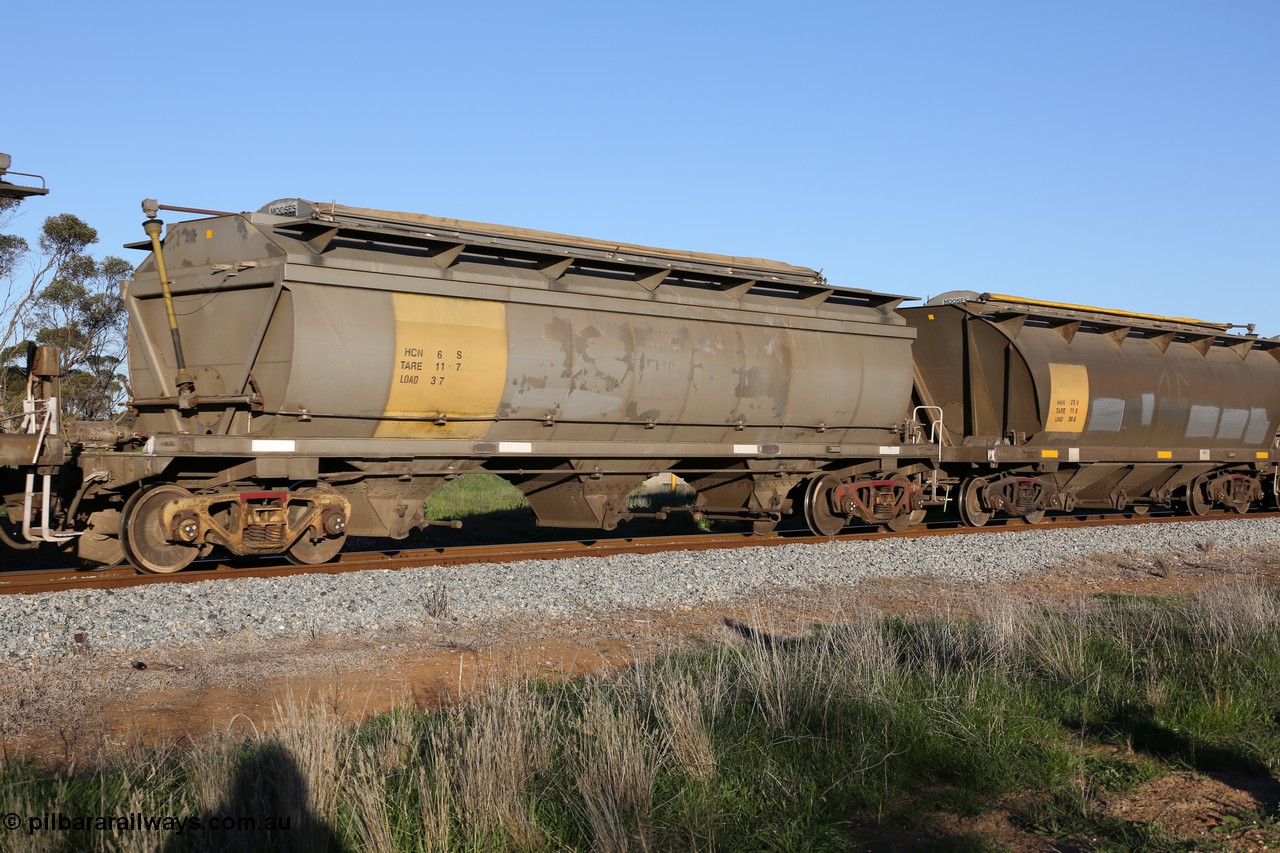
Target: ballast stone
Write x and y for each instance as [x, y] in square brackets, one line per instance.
[363, 603]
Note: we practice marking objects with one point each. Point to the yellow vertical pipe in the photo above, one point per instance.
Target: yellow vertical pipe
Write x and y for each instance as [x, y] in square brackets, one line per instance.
[153, 227]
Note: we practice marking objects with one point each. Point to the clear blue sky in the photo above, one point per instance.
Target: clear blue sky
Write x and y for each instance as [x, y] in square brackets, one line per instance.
[1124, 154]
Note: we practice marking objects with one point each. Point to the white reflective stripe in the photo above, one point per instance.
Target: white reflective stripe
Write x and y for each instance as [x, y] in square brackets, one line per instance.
[1204, 455]
[890, 451]
[1073, 454]
[746, 448]
[515, 447]
[272, 445]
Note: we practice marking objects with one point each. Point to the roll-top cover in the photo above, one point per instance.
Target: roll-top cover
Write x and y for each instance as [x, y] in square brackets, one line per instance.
[332, 321]
[1069, 375]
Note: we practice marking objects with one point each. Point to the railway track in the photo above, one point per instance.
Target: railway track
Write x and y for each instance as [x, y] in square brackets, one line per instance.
[33, 581]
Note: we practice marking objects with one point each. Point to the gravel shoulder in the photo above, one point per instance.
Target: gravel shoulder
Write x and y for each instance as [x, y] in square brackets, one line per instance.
[160, 664]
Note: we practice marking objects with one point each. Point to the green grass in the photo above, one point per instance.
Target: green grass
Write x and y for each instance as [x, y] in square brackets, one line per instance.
[477, 493]
[483, 493]
[855, 736]
[491, 509]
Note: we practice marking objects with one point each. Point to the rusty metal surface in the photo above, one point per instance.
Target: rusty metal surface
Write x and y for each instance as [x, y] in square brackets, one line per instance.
[341, 363]
[379, 354]
[378, 340]
[1052, 407]
[582, 365]
[462, 231]
[18, 449]
[1008, 372]
[262, 522]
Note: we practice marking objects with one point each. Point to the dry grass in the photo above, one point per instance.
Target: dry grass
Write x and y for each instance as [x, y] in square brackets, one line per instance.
[614, 769]
[685, 709]
[483, 758]
[777, 731]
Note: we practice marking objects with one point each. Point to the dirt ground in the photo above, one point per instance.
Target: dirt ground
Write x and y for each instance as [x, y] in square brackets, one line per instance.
[78, 709]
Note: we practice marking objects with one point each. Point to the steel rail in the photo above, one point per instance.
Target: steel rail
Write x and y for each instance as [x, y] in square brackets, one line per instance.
[35, 581]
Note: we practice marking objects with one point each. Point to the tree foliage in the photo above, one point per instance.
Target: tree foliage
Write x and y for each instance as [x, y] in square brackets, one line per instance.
[12, 247]
[73, 301]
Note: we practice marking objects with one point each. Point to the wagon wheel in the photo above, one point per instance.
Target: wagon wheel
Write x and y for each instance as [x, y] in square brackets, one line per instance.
[12, 538]
[114, 555]
[142, 534]
[761, 526]
[1240, 508]
[971, 511]
[310, 550]
[1198, 500]
[817, 507]
[1033, 517]
[96, 566]
[908, 519]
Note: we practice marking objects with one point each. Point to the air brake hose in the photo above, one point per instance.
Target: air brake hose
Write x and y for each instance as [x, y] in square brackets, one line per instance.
[153, 228]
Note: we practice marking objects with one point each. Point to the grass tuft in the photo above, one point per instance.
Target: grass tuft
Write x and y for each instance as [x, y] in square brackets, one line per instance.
[860, 733]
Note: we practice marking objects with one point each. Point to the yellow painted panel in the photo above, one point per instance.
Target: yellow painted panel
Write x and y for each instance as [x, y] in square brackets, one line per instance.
[1262, 454]
[1068, 397]
[1048, 454]
[1164, 454]
[450, 361]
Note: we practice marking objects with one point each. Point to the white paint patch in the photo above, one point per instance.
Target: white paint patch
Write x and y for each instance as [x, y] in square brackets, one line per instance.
[1231, 425]
[273, 445]
[1148, 409]
[746, 448]
[1203, 422]
[515, 447]
[1259, 429]
[1073, 454]
[890, 451]
[1106, 414]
